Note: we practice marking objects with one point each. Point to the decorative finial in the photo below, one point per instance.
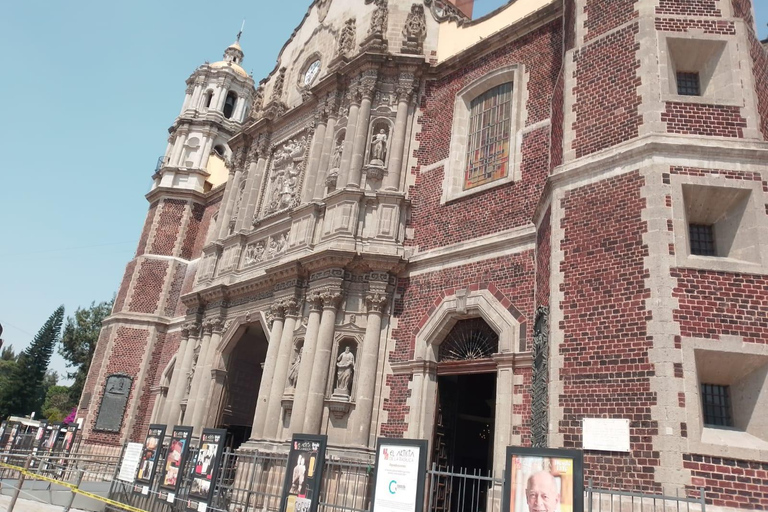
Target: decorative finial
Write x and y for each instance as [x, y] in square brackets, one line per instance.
[241, 30]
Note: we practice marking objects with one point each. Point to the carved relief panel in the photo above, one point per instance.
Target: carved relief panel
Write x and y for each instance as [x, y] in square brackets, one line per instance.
[283, 185]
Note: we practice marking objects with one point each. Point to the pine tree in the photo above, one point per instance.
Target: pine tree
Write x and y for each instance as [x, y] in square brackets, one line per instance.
[24, 390]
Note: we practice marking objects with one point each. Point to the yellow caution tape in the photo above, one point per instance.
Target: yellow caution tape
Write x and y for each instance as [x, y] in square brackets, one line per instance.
[73, 488]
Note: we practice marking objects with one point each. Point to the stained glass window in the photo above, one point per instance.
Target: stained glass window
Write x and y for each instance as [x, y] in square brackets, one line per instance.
[489, 133]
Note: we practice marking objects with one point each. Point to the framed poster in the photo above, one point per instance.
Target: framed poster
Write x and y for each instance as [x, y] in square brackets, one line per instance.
[151, 451]
[206, 467]
[14, 426]
[401, 471]
[39, 436]
[52, 432]
[543, 480]
[178, 447]
[69, 437]
[304, 473]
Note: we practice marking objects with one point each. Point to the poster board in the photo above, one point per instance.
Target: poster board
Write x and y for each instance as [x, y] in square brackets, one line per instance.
[51, 433]
[401, 470]
[304, 473]
[150, 453]
[178, 449]
[130, 462]
[205, 468]
[543, 479]
[69, 438]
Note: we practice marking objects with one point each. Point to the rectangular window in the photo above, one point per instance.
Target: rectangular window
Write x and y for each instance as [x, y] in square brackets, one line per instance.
[716, 404]
[489, 132]
[688, 84]
[702, 239]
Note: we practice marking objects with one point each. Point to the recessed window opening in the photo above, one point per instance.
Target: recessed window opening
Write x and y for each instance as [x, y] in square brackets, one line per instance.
[229, 104]
[702, 239]
[688, 84]
[208, 99]
[219, 149]
[716, 405]
[489, 136]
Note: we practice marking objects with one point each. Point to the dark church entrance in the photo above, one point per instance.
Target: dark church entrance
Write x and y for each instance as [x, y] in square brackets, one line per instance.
[241, 384]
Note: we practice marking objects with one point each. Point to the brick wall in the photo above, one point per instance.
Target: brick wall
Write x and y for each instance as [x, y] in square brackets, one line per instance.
[193, 229]
[729, 482]
[146, 397]
[210, 211]
[708, 120]
[122, 292]
[168, 226]
[606, 371]
[172, 300]
[604, 16]
[606, 91]
[543, 256]
[141, 249]
[510, 279]
[760, 69]
[688, 8]
[743, 9]
[186, 287]
[149, 285]
[97, 360]
[558, 119]
[523, 409]
[127, 353]
[712, 304]
[704, 25]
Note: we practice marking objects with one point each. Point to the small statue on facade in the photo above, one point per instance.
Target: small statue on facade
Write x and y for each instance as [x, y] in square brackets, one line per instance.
[293, 372]
[379, 148]
[336, 157]
[345, 367]
[347, 38]
[379, 19]
[277, 90]
[415, 30]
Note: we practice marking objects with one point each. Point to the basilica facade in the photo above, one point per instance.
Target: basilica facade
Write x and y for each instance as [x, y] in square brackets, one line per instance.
[479, 232]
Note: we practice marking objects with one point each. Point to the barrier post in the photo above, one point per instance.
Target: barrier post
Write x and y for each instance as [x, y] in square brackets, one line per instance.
[80, 473]
[22, 474]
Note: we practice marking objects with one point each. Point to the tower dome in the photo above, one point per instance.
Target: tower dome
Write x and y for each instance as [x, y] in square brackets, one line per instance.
[233, 56]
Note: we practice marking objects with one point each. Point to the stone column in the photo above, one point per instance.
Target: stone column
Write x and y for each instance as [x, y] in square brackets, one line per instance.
[268, 373]
[178, 386]
[325, 157]
[313, 165]
[203, 399]
[205, 152]
[275, 406]
[349, 135]
[367, 87]
[178, 149]
[365, 371]
[230, 195]
[258, 153]
[307, 357]
[392, 180]
[194, 390]
[320, 366]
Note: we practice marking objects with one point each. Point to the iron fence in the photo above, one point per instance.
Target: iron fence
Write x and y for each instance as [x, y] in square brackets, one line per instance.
[617, 500]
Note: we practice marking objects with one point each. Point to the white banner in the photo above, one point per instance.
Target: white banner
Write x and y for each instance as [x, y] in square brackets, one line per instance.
[130, 463]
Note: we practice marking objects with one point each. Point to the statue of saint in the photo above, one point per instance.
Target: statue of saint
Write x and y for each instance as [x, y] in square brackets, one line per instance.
[336, 158]
[379, 148]
[345, 365]
[293, 372]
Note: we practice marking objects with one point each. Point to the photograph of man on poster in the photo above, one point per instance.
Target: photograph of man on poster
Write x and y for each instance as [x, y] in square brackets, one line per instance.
[541, 484]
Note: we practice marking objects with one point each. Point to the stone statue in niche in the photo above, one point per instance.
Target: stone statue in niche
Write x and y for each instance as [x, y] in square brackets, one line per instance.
[286, 168]
[293, 371]
[379, 19]
[336, 157]
[415, 30]
[345, 368]
[378, 154]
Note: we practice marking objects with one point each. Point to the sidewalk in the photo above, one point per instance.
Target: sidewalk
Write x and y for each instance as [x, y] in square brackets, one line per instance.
[25, 505]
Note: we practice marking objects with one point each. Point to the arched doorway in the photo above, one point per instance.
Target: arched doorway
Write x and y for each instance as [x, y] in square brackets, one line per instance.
[242, 359]
[466, 397]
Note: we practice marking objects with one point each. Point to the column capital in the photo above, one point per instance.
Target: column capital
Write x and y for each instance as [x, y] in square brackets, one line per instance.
[331, 299]
[217, 325]
[190, 329]
[376, 302]
[315, 301]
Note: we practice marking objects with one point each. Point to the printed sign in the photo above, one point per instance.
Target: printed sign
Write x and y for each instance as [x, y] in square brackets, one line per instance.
[304, 474]
[69, 437]
[605, 434]
[542, 479]
[178, 448]
[152, 445]
[401, 466]
[205, 467]
[52, 434]
[130, 463]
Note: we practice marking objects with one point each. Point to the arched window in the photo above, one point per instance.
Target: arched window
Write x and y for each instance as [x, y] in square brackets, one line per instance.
[229, 104]
[208, 98]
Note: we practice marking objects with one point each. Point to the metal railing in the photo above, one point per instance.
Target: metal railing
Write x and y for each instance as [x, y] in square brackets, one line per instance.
[617, 500]
[463, 490]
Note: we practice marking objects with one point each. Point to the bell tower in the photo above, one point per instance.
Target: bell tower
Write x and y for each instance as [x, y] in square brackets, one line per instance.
[138, 341]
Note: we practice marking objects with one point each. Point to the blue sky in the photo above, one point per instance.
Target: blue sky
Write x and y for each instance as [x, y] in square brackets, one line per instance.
[89, 91]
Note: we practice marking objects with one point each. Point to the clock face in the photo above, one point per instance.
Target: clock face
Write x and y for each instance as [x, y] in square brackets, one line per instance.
[312, 72]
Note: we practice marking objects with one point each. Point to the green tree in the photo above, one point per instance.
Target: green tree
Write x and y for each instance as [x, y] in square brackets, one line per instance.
[57, 403]
[78, 342]
[24, 391]
[7, 363]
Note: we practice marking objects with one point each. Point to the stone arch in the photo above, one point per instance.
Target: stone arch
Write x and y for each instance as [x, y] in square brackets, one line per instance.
[506, 321]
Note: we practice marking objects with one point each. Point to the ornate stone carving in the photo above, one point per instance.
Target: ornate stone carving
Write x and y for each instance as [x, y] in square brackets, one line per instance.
[277, 245]
[217, 325]
[377, 31]
[539, 378]
[258, 101]
[315, 301]
[253, 154]
[254, 253]
[331, 299]
[238, 201]
[414, 31]
[444, 11]
[346, 39]
[277, 90]
[379, 144]
[291, 306]
[376, 302]
[293, 371]
[284, 178]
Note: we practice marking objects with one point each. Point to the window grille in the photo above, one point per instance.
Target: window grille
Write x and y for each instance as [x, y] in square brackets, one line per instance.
[702, 239]
[489, 132]
[716, 403]
[469, 340]
[688, 84]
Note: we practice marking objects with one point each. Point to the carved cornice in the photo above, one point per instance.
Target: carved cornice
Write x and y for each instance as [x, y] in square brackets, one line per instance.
[414, 366]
